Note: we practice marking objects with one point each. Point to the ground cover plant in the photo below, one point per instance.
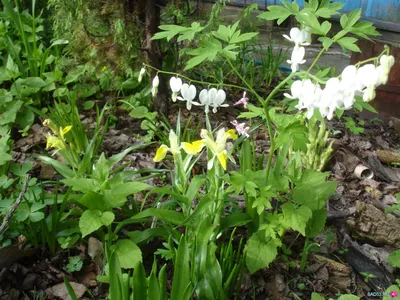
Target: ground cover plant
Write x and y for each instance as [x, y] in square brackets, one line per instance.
[192, 205]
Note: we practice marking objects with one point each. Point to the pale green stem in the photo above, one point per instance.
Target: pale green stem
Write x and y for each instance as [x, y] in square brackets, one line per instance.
[316, 59]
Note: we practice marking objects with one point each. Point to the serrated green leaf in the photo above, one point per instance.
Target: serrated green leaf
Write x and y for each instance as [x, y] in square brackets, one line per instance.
[242, 37]
[260, 252]
[276, 12]
[317, 223]
[349, 43]
[297, 218]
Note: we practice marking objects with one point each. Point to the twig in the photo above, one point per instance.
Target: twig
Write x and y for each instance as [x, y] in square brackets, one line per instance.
[7, 218]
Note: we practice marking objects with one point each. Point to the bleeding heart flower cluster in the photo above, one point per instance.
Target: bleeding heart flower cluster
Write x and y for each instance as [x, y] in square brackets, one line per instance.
[300, 38]
[208, 98]
[340, 92]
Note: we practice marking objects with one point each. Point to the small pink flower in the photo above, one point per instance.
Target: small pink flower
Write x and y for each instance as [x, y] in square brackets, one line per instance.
[393, 294]
[244, 101]
[241, 128]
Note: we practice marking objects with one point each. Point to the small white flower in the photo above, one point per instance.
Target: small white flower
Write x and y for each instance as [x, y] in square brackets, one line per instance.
[370, 78]
[205, 100]
[176, 84]
[295, 90]
[297, 58]
[141, 73]
[217, 99]
[298, 37]
[387, 63]
[188, 93]
[330, 98]
[156, 83]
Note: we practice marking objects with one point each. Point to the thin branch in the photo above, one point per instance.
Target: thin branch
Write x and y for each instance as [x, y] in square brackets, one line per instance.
[8, 217]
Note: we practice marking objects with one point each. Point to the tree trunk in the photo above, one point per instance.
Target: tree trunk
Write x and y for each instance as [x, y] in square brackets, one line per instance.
[149, 15]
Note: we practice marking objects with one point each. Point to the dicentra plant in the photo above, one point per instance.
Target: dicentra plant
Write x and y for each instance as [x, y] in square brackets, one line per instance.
[286, 191]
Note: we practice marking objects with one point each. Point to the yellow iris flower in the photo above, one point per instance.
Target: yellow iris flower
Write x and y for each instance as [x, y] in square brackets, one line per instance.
[216, 146]
[173, 149]
[57, 140]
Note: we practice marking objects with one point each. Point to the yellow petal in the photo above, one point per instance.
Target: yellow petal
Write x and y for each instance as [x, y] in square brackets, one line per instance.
[66, 129]
[193, 148]
[173, 140]
[222, 159]
[161, 153]
[54, 142]
[231, 134]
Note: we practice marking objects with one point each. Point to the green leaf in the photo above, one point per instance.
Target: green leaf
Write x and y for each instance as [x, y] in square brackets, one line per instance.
[139, 236]
[181, 280]
[139, 112]
[235, 220]
[348, 297]
[20, 169]
[316, 296]
[194, 186]
[207, 50]
[325, 27]
[154, 291]
[328, 9]
[10, 111]
[276, 12]
[87, 105]
[352, 18]
[116, 197]
[317, 223]
[394, 259]
[91, 220]
[58, 166]
[33, 82]
[60, 92]
[5, 155]
[94, 201]
[139, 282]
[70, 290]
[81, 184]
[349, 43]
[186, 33]
[314, 196]
[297, 218]
[260, 252]
[242, 37]
[390, 289]
[128, 253]
[167, 215]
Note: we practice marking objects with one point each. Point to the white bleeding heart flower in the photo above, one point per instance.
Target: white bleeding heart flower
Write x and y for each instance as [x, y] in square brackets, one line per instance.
[175, 84]
[205, 100]
[295, 89]
[188, 93]
[217, 99]
[387, 62]
[141, 74]
[298, 37]
[155, 84]
[297, 58]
